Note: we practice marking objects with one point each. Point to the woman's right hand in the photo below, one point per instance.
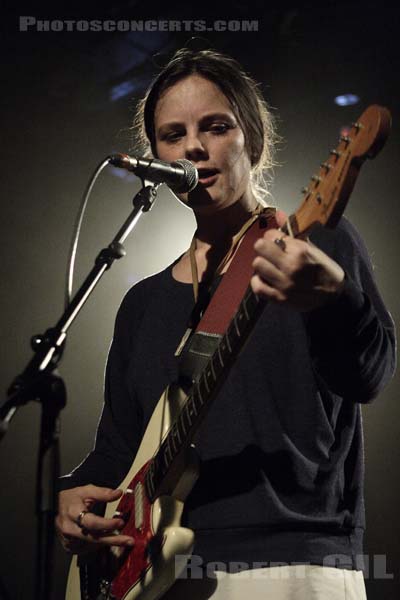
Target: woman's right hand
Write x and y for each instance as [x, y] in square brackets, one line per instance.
[79, 534]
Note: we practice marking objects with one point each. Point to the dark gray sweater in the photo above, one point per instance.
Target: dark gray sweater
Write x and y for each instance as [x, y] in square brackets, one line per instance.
[281, 448]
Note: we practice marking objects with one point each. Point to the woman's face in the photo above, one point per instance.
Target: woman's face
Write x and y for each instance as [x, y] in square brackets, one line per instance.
[194, 120]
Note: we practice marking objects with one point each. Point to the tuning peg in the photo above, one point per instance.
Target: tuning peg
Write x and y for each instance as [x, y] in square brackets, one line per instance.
[305, 190]
[345, 138]
[316, 178]
[335, 153]
[326, 165]
[357, 126]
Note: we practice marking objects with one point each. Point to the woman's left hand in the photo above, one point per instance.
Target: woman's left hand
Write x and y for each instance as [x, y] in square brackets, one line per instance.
[294, 271]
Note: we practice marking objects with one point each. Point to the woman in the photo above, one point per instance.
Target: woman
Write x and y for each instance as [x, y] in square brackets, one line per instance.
[282, 465]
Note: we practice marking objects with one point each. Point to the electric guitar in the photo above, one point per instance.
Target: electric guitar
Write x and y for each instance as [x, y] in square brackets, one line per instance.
[165, 468]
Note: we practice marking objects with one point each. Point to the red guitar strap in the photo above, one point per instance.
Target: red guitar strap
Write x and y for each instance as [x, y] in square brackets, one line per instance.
[196, 348]
[226, 299]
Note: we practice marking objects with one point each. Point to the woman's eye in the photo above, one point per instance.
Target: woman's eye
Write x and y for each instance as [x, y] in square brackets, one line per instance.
[173, 136]
[219, 128]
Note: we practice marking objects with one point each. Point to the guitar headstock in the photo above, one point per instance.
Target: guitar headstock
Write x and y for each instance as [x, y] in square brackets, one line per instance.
[326, 196]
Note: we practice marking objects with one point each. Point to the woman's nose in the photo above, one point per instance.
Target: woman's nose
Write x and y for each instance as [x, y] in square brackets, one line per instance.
[195, 148]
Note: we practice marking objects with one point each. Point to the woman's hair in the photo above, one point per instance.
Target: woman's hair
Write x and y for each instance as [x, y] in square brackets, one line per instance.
[243, 94]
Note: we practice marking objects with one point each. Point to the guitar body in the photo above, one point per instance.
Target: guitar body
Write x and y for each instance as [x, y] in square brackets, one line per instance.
[162, 546]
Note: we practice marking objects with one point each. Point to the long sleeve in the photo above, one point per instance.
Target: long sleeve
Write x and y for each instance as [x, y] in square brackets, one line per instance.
[120, 426]
[353, 338]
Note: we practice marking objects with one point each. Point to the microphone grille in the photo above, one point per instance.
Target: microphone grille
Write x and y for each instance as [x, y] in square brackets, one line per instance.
[191, 175]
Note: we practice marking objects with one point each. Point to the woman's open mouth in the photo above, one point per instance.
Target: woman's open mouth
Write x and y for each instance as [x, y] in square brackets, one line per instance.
[207, 177]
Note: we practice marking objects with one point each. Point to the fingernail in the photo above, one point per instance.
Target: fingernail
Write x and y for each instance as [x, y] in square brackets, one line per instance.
[130, 542]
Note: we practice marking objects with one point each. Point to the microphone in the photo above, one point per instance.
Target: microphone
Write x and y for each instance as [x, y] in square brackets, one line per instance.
[180, 176]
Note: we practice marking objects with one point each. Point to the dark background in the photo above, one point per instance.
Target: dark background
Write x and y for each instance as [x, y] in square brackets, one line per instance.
[60, 118]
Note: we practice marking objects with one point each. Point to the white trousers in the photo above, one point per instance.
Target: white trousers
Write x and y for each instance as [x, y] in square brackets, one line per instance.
[293, 582]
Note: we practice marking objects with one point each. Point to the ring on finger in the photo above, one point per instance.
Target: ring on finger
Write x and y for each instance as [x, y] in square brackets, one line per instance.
[281, 243]
[79, 519]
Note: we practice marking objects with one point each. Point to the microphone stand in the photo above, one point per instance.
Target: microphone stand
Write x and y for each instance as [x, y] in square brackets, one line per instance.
[38, 382]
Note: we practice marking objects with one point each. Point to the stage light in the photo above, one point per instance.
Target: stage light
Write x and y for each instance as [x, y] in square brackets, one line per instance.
[347, 99]
[123, 89]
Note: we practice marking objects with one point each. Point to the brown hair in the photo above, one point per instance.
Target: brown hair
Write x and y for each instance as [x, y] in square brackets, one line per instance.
[242, 92]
